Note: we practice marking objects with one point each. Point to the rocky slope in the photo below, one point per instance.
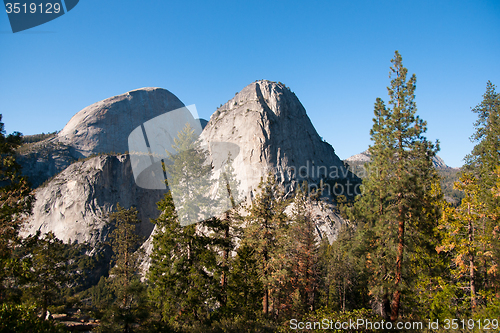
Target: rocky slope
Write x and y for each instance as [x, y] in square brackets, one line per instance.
[269, 125]
[74, 204]
[265, 127]
[102, 127]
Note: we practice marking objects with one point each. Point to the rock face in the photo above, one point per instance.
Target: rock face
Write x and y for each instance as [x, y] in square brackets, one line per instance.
[439, 163]
[102, 127]
[42, 160]
[274, 134]
[265, 121]
[361, 157]
[365, 156]
[74, 204]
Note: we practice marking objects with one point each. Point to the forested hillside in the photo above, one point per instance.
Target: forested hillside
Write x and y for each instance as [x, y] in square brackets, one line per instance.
[404, 257]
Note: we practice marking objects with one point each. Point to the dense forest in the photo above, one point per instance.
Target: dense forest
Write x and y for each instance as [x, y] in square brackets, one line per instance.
[405, 255]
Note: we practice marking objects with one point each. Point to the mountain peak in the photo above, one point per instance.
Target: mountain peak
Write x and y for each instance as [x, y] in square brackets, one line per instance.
[104, 126]
[264, 95]
[273, 132]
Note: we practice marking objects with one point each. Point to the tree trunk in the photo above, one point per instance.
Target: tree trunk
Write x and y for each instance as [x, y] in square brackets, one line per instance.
[396, 298]
[471, 263]
[265, 302]
[45, 303]
[385, 308]
[225, 260]
[399, 267]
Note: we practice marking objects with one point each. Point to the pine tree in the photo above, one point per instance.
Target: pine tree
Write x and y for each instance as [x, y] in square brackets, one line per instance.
[225, 230]
[15, 201]
[244, 285]
[265, 233]
[470, 231]
[303, 255]
[396, 201]
[184, 275]
[485, 156]
[189, 178]
[129, 305]
[483, 162]
[46, 271]
[344, 280]
[182, 287]
[462, 236]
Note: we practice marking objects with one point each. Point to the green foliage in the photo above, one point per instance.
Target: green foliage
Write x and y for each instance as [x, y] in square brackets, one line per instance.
[485, 155]
[344, 278]
[47, 271]
[303, 253]
[470, 234]
[244, 286]
[448, 177]
[399, 204]
[101, 296]
[181, 287]
[189, 178]
[319, 316]
[265, 233]
[15, 200]
[188, 276]
[24, 318]
[128, 308]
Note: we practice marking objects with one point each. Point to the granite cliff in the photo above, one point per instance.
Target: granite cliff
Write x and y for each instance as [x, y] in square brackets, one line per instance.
[274, 134]
[102, 127]
[265, 122]
[75, 203]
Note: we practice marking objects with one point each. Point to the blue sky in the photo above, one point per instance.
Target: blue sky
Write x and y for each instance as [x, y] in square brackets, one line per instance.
[335, 55]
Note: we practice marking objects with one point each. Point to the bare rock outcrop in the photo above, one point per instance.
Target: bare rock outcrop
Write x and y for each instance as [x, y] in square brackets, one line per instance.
[274, 134]
[75, 203]
[265, 121]
[102, 127]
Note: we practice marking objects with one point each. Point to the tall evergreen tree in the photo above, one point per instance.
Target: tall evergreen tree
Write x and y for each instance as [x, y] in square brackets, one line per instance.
[244, 285]
[470, 231]
[189, 178]
[15, 201]
[483, 162]
[396, 200]
[184, 275]
[344, 280]
[485, 155]
[182, 287]
[303, 250]
[265, 233]
[129, 306]
[462, 237]
[46, 272]
[225, 230]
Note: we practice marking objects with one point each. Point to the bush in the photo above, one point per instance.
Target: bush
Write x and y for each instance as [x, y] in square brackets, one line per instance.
[24, 318]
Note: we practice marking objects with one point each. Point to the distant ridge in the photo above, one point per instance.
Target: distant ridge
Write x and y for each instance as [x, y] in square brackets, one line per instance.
[365, 156]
